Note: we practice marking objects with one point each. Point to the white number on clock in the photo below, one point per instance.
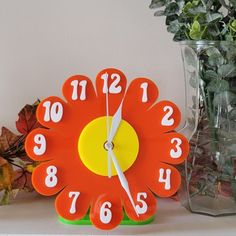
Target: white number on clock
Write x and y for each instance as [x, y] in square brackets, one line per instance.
[51, 179]
[74, 196]
[114, 87]
[178, 152]
[165, 180]
[167, 120]
[53, 111]
[82, 84]
[105, 213]
[141, 209]
[144, 86]
[40, 140]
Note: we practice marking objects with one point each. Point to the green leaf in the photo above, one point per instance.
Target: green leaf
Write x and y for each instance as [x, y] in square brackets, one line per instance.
[227, 71]
[171, 18]
[216, 60]
[210, 75]
[157, 4]
[223, 98]
[159, 13]
[218, 86]
[180, 35]
[212, 18]
[171, 9]
[232, 25]
[174, 27]
[197, 10]
[195, 31]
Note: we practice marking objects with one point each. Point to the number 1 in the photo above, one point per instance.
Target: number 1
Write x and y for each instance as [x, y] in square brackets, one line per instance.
[144, 86]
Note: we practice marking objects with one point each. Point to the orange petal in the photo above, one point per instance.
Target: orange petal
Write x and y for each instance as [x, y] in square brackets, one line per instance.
[48, 178]
[171, 148]
[166, 181]
[145, 204]
[44, 144]
[53, 112]
[162, 117]
[71, 204]
[106, 212]
[78, 89]
[141, 95]
[116, 86]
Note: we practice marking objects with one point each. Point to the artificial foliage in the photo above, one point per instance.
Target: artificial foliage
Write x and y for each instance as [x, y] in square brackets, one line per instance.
[15, 166]
[207, 31]
[198, 19]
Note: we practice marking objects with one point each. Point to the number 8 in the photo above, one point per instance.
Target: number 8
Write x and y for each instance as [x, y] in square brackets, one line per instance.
[51, 179]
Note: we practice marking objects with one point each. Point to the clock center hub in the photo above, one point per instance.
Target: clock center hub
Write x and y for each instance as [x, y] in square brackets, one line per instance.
[108, 145]
[93, 147]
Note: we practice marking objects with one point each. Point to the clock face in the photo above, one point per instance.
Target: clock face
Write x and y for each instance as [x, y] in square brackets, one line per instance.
[108, 150]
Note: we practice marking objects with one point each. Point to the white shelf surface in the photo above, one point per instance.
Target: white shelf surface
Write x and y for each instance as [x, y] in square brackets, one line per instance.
[34, 214]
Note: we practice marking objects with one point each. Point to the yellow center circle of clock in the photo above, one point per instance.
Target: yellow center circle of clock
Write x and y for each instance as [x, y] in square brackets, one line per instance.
[93, 153]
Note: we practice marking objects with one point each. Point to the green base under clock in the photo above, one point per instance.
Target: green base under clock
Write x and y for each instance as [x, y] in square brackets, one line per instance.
[86, 221]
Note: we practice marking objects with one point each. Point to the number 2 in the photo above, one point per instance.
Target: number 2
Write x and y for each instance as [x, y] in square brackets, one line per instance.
[114, 87]
[167, 120]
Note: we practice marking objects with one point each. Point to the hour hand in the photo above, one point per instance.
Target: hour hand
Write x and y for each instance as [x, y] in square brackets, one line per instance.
[116, 120]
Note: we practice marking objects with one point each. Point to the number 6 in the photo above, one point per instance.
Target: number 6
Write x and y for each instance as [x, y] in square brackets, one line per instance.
[105, 213]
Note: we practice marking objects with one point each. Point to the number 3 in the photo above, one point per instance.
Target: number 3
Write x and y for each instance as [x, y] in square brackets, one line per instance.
[178, 152]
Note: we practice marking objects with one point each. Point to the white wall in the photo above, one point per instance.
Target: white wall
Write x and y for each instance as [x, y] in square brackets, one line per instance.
[42, 42]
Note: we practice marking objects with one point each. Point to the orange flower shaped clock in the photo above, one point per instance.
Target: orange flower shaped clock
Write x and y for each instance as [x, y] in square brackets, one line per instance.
[108, 152]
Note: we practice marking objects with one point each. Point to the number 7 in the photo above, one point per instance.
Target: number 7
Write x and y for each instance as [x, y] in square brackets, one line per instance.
[75, 196]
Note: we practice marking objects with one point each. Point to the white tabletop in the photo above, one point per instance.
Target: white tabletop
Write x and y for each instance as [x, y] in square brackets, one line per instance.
[35, 214]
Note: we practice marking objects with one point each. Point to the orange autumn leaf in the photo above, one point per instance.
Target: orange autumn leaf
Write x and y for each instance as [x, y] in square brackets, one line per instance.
[6, 174]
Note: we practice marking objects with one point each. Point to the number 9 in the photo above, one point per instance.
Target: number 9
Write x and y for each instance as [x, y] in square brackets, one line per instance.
[40, 140]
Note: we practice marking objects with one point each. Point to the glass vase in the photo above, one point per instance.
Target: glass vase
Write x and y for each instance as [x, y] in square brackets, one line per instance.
[209, 173]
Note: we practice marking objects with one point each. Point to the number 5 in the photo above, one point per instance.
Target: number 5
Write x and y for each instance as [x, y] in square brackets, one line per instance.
[141, 209]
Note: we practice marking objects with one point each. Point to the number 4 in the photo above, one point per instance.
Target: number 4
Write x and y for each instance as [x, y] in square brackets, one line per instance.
[167, 179]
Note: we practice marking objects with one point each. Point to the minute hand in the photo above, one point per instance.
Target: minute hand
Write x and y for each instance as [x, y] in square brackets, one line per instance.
[116, 120]
[123, 180]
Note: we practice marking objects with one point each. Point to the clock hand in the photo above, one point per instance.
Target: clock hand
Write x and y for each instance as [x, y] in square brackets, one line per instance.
[116, 120]
[122, 178]
[105, 77]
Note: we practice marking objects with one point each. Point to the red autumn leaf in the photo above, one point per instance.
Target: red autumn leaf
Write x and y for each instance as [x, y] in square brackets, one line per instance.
[7, 139]
[27, 119]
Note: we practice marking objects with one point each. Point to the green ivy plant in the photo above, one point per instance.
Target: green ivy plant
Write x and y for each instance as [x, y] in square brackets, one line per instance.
[198, 19]
[209, 29]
